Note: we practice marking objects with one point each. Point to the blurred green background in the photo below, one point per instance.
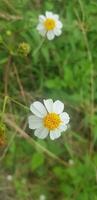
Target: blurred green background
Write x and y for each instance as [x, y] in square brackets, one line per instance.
[65, 69]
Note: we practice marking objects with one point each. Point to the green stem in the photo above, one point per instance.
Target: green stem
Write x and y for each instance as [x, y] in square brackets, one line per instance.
[4, 107]
[14, 101]
[18, 103]
[39, 47]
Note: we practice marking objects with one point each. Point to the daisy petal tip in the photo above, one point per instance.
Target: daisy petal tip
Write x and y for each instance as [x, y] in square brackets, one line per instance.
[58, 106]
[41, 133]
[65, 117]
[55, 134]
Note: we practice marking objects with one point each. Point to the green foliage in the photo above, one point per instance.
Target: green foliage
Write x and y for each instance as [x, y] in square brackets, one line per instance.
[65, 69]
[37, 161]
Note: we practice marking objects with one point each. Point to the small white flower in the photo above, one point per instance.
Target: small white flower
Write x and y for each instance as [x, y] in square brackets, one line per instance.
[49, 25]
[42, 197]
[48, 119]
[9, 177]
[71, 162]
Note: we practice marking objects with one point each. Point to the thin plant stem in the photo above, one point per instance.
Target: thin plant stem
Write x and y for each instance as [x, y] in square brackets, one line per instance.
[10, 6]
[4, 107]
[89, 54]
[18, 103]
[6, 98]
[39, 47]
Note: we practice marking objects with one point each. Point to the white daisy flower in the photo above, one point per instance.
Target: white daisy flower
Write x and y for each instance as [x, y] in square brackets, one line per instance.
[48, 119]
[49, 25]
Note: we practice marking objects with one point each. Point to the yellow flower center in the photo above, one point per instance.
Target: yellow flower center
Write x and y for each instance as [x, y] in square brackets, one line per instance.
[49, 24]
[52, 121]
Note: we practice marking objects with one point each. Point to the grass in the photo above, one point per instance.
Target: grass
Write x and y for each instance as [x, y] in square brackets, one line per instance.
[64, 69]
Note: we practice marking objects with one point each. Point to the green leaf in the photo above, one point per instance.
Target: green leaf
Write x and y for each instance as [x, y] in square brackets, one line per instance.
[37, 160]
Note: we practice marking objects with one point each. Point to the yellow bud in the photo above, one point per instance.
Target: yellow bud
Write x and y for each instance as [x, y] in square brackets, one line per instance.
[8, 32]
[24, 48]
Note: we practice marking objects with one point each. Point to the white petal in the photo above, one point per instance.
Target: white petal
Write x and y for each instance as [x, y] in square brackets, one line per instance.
[65, 117]
[40, 27]
[57, 31]
[55, 134]
[34, 122]
[49, 14]
[42, 32]
[56, 17]
[50, 35]
[58, 107]
[49, 105]
[59, 24]
[41, 18]
[38, 109]
[63, 127]
[41, 133]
